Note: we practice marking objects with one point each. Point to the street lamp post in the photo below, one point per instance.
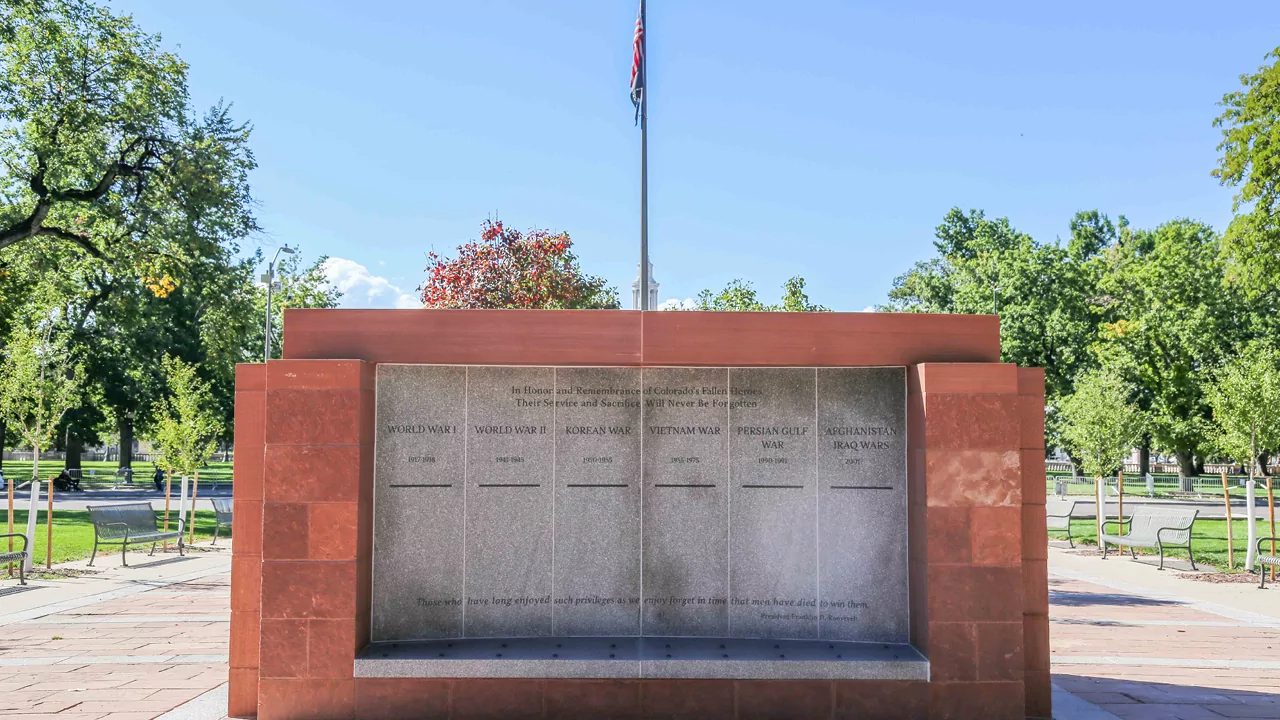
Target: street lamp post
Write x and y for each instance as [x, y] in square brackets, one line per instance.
[270, 279]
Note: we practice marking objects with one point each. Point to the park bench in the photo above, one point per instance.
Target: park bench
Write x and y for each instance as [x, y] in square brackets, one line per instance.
[18, 556]
[1155, 528]
[222, 516]
[128, 524]
[1266, 559]
[1058, 516]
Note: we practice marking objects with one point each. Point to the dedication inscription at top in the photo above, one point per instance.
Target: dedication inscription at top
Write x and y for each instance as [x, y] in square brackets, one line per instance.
[589, 501]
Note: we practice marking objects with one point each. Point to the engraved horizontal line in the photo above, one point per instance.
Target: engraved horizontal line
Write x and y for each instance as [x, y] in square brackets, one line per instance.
[590, 485]
[861, 487]
[418, 485]
[510, 484]
[689, 485]
[774, 487]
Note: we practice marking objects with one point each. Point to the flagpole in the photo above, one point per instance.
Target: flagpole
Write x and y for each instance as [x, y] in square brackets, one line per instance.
[644, 167]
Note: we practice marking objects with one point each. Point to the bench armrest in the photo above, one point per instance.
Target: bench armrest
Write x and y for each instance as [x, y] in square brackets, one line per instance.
[1160, 532]
[112, 524]
[1119, 523]
[1056, 515]
[25, 542]
[1260, 541]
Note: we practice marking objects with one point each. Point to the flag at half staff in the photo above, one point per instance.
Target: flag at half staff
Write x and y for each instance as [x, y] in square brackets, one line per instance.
[637, 63]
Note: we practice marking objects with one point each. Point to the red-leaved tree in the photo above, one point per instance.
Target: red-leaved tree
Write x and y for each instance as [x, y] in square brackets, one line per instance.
[506, 268]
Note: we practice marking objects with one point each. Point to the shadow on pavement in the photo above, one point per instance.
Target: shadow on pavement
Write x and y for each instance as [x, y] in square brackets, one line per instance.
[1137, 700]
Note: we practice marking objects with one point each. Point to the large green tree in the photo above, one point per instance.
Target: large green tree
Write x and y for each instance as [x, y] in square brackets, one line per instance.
[741, 296]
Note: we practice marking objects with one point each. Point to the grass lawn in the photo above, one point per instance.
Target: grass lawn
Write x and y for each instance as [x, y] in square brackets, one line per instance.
[1208, 540]
[218, 472]
[73, 533]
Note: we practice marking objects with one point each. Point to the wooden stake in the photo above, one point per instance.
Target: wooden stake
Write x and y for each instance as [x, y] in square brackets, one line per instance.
[195, 490]
[48, 521]
[1271, 513]
[168, 480]
[9, 484]
[1231, 551]
[1120, 494]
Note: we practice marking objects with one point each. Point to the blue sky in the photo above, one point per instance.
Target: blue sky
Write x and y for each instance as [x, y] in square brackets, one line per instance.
[823, 139]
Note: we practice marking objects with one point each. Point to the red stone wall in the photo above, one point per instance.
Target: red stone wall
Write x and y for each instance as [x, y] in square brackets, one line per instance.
[303, 534]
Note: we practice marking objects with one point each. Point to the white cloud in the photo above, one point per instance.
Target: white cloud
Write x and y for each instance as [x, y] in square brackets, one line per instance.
[870, 308]
[676, 304]
[362, 289]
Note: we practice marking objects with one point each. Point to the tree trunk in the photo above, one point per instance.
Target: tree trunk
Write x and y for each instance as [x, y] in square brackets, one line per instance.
[74, 448]
[1263, 458]
[1144, 456]
[1199, 465]
[1186, 463]
[4, 431]
[126, 442]
[1075, 464]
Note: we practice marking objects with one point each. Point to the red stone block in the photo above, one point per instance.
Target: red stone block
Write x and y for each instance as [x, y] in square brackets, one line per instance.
[335, 531]
[1035, 640]
[592, 699]
[973, 478]
[284, 649]
[316, 375]
[492, 699]
[331, 648]
[308, 590]
[251, 377]
[959, 593]
[402, 698]
[246, 583]
[953, 652]
[948, 536]
[996, 535]
[1031, 381]
[1035, 586]
[368, 416]
[284, 531]
[969, 378]
[245, 632]
[306, 699]
[1031, 410]
[250, 418]
[1034, 485]
[1000, 651]
[972, 422]
[1035, 533]
[246, 472]
[313, 473]
[687, 699]
[1039, 690]
[881, 700]
[242, 693]
[314, 417]
[246, 527]
[784, 699]
[974, 701]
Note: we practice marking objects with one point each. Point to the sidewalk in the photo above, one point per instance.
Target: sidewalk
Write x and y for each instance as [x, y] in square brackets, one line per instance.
[1141, 644]
[119, 644]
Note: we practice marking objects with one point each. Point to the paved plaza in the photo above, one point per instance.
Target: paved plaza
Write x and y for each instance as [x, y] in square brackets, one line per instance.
[1128, 641]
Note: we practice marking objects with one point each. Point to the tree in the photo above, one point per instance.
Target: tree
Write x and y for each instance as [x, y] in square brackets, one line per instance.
[1250, 147]
[103, 154]
[187, 425]
[740, 296]
[1171, 318]
[39, 382]
[1245, 396]
[1100, 423]
[506, 268]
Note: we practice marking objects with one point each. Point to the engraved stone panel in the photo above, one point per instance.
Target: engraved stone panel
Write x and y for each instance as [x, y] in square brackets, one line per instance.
[597, 502]
[510, 448]
[686, 414]
[862, 504]
[773, 582]
[418, 502]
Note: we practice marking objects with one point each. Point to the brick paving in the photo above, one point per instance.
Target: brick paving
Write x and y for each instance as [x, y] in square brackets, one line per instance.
[1160, 657]
[123, 658]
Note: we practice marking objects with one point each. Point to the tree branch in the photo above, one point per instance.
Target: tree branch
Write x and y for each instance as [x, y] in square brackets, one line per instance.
[77, 238]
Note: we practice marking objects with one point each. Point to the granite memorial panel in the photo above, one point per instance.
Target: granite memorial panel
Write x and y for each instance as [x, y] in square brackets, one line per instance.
[598, 501]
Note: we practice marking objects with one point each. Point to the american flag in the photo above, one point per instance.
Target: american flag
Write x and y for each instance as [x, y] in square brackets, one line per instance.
[637, 63]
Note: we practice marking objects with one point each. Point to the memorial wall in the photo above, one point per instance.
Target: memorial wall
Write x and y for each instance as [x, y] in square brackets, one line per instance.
[620, 501]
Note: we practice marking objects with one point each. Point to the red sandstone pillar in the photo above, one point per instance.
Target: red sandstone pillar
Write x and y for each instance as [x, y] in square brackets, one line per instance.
[246, 540]
[1035, 572]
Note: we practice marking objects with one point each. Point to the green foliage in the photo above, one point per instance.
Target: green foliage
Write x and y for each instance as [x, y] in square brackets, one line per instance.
[187, 425]
[740, 296]
[39, 382]
[1100, 424]
[1245, 396]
